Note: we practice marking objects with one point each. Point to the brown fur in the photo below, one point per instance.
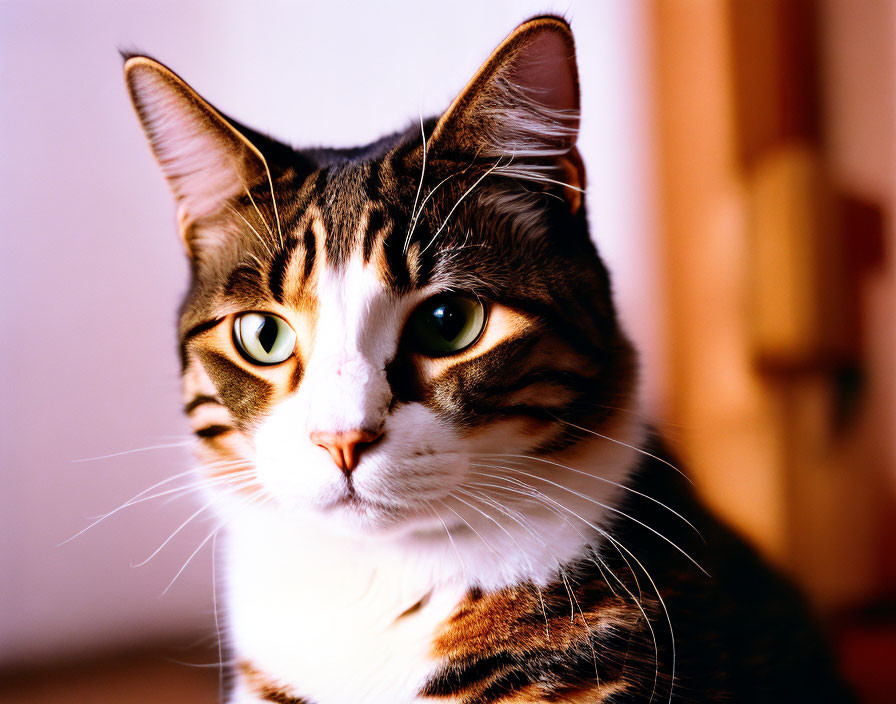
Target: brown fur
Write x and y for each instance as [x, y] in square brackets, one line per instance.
[267, 689]
[529, 643]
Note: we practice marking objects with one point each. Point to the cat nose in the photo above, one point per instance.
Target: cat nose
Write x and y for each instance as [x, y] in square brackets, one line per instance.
[345, 447]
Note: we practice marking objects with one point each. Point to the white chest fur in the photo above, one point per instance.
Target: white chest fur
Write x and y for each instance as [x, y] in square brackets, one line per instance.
[346, 620]
[328, 615]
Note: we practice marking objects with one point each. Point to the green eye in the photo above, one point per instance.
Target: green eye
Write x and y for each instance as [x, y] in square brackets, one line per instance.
[447, 324]
[263, 338]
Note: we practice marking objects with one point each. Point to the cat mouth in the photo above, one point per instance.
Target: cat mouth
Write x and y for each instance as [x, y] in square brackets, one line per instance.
[351, 503]
[351, 500]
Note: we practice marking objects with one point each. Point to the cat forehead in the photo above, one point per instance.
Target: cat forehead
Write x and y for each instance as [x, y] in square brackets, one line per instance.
[346, 235]
[340, 248]
[364, 217]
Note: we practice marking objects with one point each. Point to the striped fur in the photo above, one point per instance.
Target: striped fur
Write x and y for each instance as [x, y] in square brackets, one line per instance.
[487, 547]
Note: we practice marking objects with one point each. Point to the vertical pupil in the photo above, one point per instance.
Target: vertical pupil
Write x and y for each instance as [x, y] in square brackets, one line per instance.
[449, 321]
[267, 334]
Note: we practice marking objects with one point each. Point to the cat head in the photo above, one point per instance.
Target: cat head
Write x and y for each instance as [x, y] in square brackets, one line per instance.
[369, 330]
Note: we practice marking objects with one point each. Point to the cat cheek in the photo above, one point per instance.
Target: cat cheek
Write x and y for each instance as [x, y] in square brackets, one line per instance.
[516, 434]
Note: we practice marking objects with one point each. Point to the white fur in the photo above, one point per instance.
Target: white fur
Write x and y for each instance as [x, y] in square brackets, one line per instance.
[312, 605]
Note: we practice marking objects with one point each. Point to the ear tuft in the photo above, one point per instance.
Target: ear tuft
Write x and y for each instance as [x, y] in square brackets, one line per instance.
[524, 101]
[522, 109]
[126, 54]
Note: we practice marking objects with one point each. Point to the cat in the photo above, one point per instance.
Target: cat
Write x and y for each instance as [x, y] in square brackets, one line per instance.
[417, 420]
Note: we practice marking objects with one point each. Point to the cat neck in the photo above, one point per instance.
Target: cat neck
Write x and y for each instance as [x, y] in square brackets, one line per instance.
[304, 598]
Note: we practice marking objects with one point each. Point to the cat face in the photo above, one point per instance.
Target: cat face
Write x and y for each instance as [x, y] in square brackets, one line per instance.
[369, 330]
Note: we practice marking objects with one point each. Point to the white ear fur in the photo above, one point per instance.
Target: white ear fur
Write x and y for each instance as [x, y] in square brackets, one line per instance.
[205, 159]
[522, 107]
[524, 98]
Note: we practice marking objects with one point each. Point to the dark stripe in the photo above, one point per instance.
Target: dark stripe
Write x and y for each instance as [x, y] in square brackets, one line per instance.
[200, 400]
[266, 690]
[270, 694]
[244, 394]
[468, 674]
[277, 270]
[508, 683]
[399, 275]
[374, 179]
[572, 672]
[559, 377]
[201, 328]
[310, 252]
[530, 643]
[316, 184]
[213, 431]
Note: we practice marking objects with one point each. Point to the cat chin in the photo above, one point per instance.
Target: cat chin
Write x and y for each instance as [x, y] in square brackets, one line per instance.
[379, 525]
[353, 515]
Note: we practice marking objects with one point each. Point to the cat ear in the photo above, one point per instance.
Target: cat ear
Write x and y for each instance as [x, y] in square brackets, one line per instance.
[522, 106]
[206, 160]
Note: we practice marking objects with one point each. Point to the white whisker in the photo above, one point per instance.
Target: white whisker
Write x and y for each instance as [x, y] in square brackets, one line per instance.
[599, 563]
[459, 201]
[460, 561]
[177, 530]
[662, 602]
[407, 239]
[220, 662]
[127, 503]
[190, 559]
[509, 513]
[598, 478]
[166, 446]
[611, 509]
[478, 534]
[261, 239]
[624, 444]
[502, 528]
[416, 216]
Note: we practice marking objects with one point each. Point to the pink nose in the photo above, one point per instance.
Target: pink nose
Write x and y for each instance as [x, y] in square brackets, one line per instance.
[345, 447]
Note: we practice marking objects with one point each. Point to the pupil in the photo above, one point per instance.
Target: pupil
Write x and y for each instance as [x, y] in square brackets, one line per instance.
[267, 334]
[449, 321]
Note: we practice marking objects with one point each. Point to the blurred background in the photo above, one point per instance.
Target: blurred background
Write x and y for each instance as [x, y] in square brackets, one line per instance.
[741, 187]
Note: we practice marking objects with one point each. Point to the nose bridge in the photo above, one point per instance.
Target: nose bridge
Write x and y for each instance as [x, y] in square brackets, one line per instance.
[352, 394]
[344, 380]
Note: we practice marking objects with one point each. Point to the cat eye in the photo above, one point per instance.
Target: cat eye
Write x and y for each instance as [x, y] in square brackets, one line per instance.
[447, 324]
[263, 338]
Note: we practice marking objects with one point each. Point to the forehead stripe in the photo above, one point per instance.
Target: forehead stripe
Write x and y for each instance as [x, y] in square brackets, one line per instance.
[374, 179]
[376, 223]
[310, 252]
[277, 269]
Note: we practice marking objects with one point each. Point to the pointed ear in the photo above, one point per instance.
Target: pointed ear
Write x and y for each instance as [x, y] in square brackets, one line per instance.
[523, 104]
[206, 160]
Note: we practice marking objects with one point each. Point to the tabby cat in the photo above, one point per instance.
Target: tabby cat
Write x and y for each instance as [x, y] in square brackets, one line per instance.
[416, 420]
